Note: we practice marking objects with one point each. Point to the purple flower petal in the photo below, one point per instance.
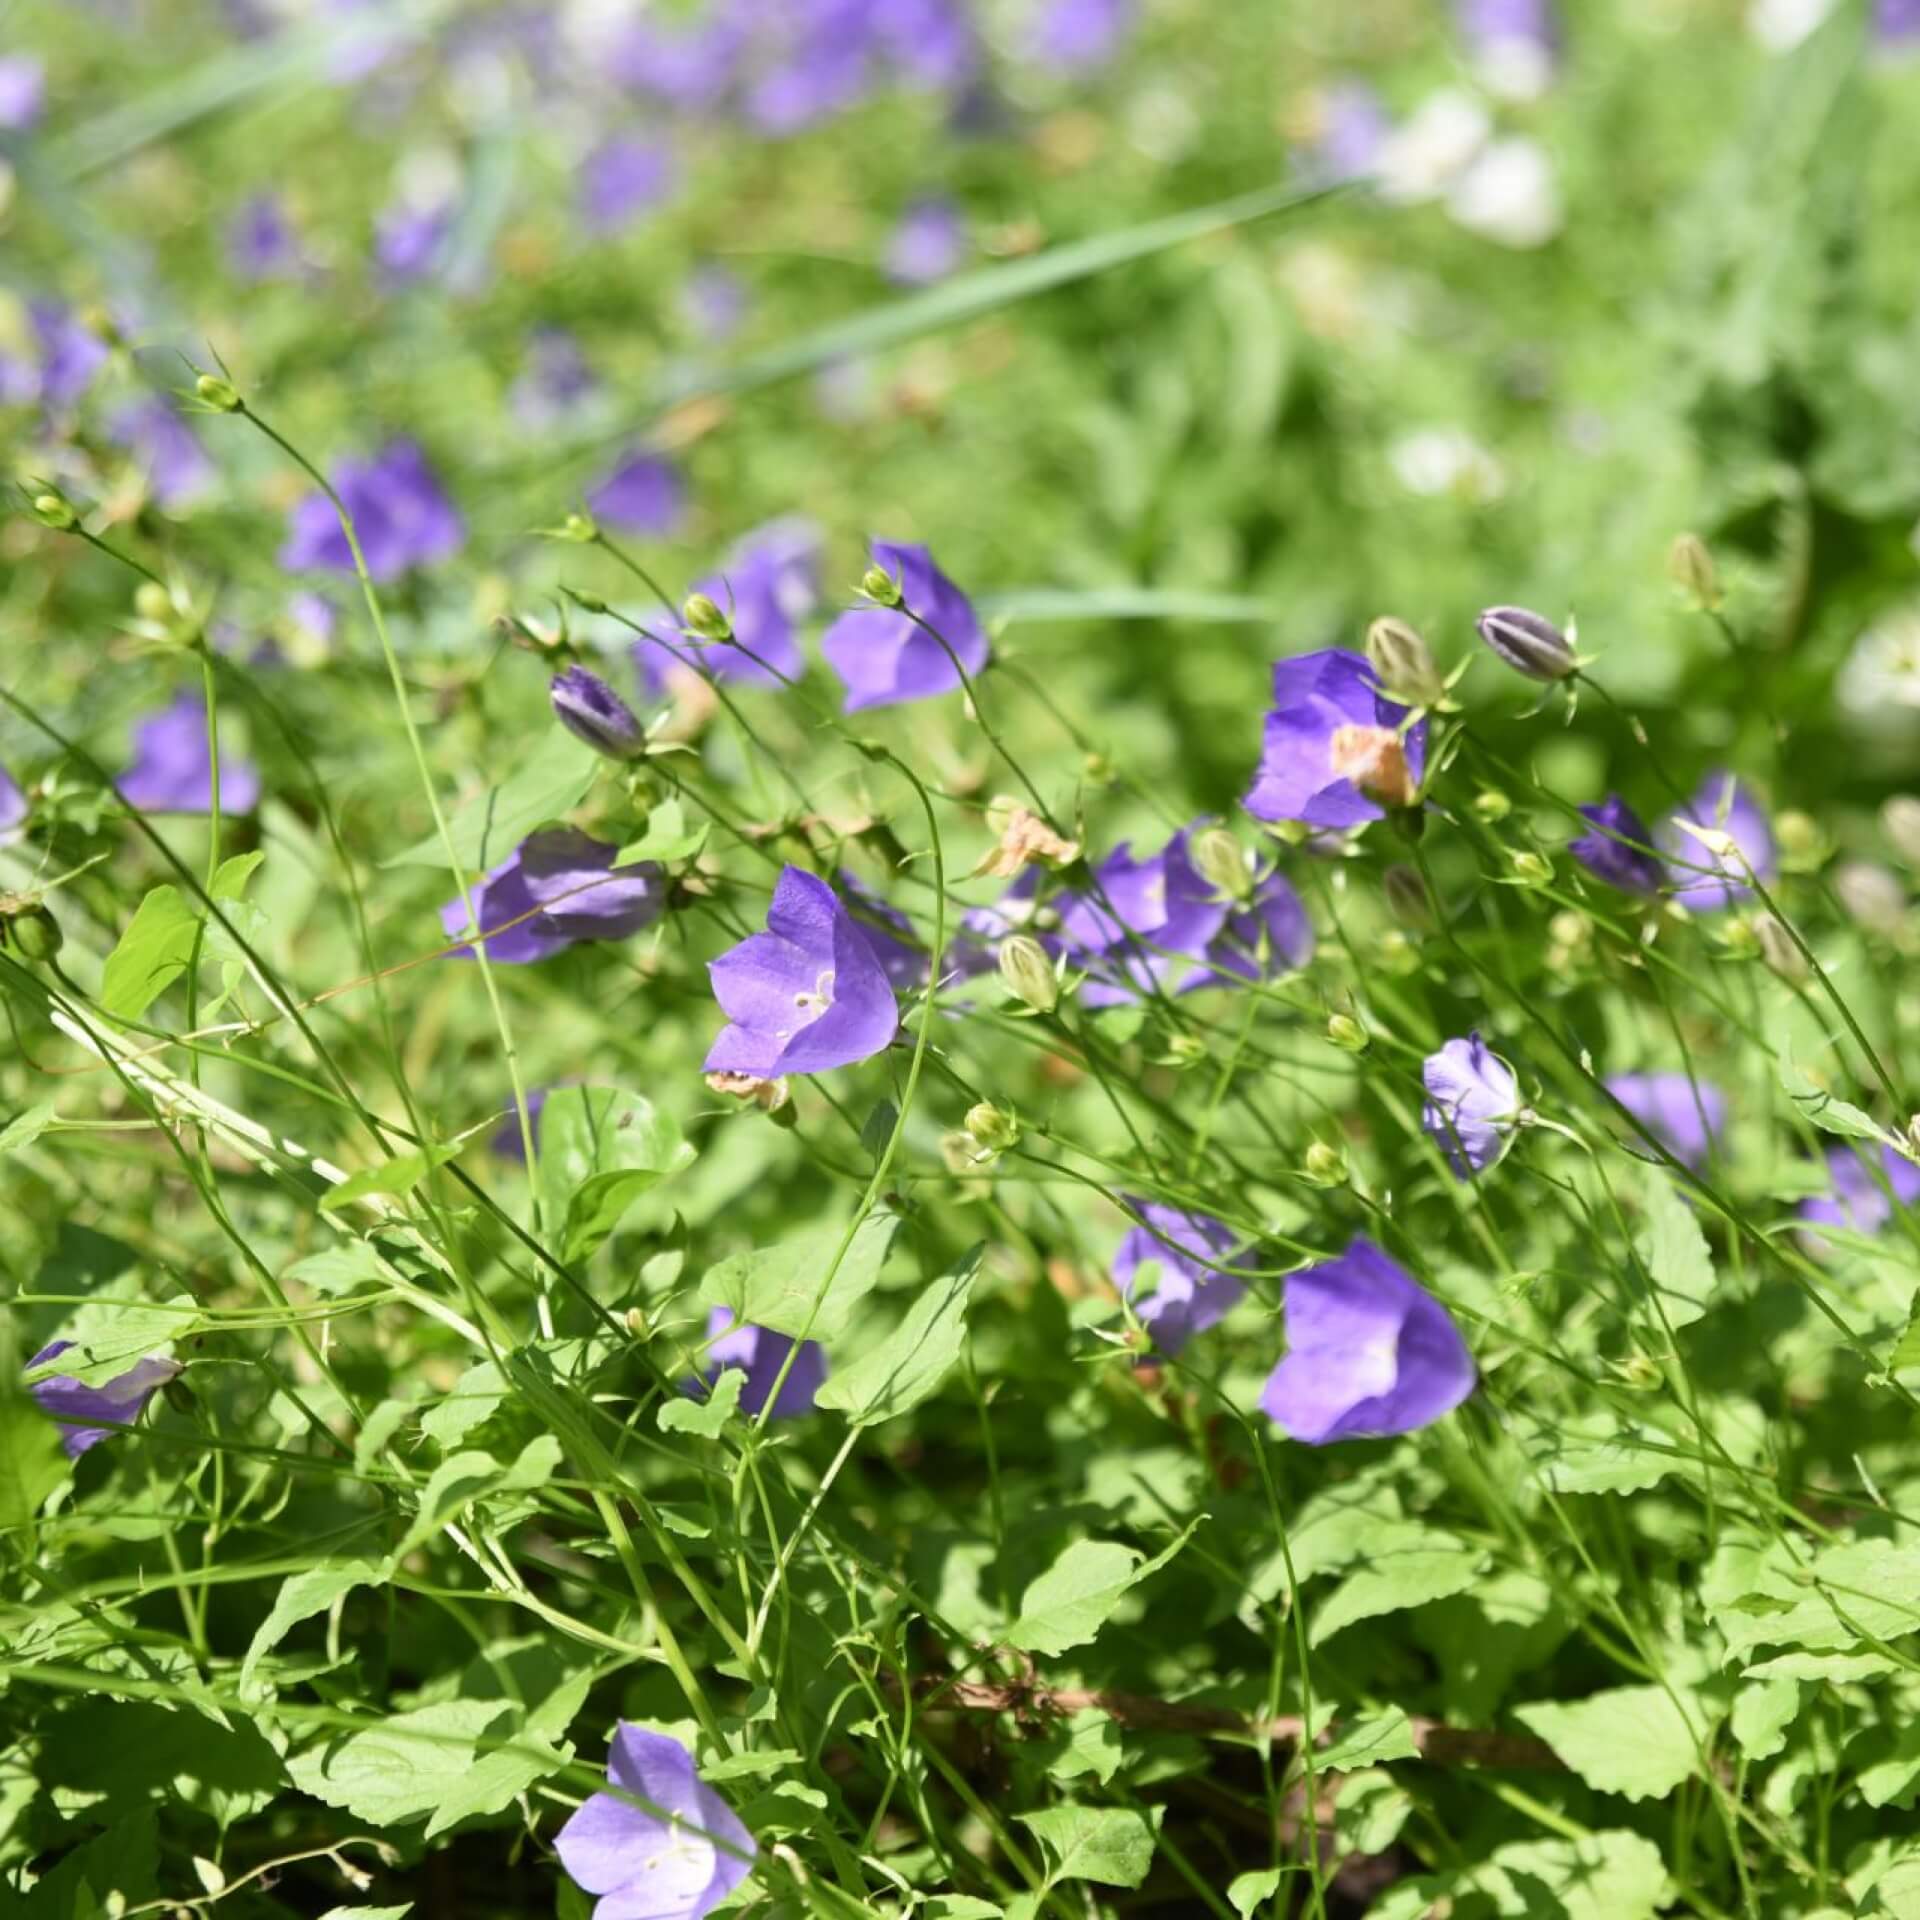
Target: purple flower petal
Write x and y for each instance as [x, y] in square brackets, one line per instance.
[1316, 698]
[1604, 854]
[1707, 882]
[642, 495]
[760, 1353]
[172, 771]
[1683, 1115]
[401, 516]
[1188, 1248]
[1473, 1104]
[884, 656]
[558, 887]
[120, 1402]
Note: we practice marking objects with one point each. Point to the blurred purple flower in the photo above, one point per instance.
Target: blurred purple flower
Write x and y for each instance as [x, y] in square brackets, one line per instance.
[402, 517]
[1513, 44]
[590, 710]
[1859, 1199]
[760, 1353]
[1369, 1352]
[13, 808]
[1629, 868]
[1270, 936]
[506, 1140]
[885, 655]
[557, 888]
[713, 301]
[1705, 881]
[804, 996]
[642, 495]
[409, 237]
[260, 241]
[1073, 35]
[70, 355]
[932, 43]
[675, 1858]
[23, 91]
[177, 467]
[172, 773]
[928, 244]
[691, 66]
[1353, 125]
[1682, 1114]
[1473, 1104]
[1895, 20]
[1142, 923]
[1191, 1295]
[889, 932]
[553, 383]
[770, 580]
[1333, 751]
[622, 177]
[120, 1402]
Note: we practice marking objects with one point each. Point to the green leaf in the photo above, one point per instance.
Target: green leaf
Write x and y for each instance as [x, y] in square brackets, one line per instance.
[369, 1913]
[26, 1127]
[132, 1753]
[1674, 1252]
[1370, 1812]
[1891, 1778]
[339, 1270]
[31, 1462]
[302, 1595]
[668, 837]
[1069, 1603]
[1248, 1892]
[776, 1287]
[1817, 1105]
[469, 1403]
[600, 1150]
[685, 1413]
[1763, 1710]
[393, 1177]
[150, 955]
[961, 1906]
[466, 1477]
[110, 1335]
[1601, 1876]
[910, 1363]
[1368, 1742]
[1421, 1565]
[489, 826]
[1632, 1741]
[1112, 1845]
[1089, 1743]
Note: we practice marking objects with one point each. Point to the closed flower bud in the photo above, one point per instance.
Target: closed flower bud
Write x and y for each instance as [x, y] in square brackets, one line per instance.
[1492, 805]
[151, 601]
[1407, 898]
[587, 602]
[1532, 869]
[1871, 894]
[1778, 948]
[702, 615]
[991, 1130]
[1028, 973]
[221, 395]
[1346, 1033]
[53, 510]
[1324, 1166]
[590, 710]
[1220, 860]
[880, 587]
[1403, 664]
[35, 932]
[1184, 1050]
[1900, 820]
[1528, 642]
[635, 1322]
[1690, 567]
[581, 527]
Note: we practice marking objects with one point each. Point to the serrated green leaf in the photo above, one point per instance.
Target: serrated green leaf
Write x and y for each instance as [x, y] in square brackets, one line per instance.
[685, 1413]
[912, 1361]
[487, 828]
[302, 1595]
[1633, 1741]
[776, 1287]
[1110, 1845]
[1674, 1252]
[1069, 1603]
[1089, 1743]
[1368, 1742]
[469, 1403]
[1421, 1566]
[600, 1150]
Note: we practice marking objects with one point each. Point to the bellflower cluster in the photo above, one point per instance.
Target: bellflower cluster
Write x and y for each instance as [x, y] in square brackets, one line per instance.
[401, 516]
[79, 1407]
[886, 654]
[768, 584]
[1473, 1106]
[1336, 751]
[1189, 1249]
[557, 888]
[172, 771]
[760, 1353]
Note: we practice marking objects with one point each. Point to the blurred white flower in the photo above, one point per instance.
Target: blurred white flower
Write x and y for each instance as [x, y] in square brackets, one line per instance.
[1514, 67]
[1425, 155]
[1508, 194]
[1779, 25]
[1446, 460]
[1883, 671]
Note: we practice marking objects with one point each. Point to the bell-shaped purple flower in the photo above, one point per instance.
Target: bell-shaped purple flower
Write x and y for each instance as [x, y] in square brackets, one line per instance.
[1269, 936]
[1334, 754]
[807, 995]
[1189, 1249]
[1369, 1352]
[770, 581]
[642, 495]
[23, 91]
[79, 1407]
[623, 177]
[1351, 125]
[590, 710]
[929, 243]
[1606, 854]
[172, 772]
[1707, 879]
[1860, 1200]
[760, 1353]
[1142, 923]
[1683, 1114]
[886, 655]
[557, 888]
[1896, 21]
[400, 513]
[674, 1858]
[1473, 1104]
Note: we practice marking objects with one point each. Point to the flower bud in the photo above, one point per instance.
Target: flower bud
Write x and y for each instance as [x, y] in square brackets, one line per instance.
[221, 395]
[151, 601]
[1028, 973]
[1403, 664]
[880, 587]
[1778, 948]
[1220, 860]
[635, 1322]
[53, 510]
[991, 1130]
[34, 931]
[1346, 1033]
[1492, 805]
[1871, 894]
[1900, 821]
[581, 527]
[590, 710]
[1324, 1166]
[1184, 1050]
[1408, 899]
[587, 602]
[702, 615]
[1532, 869]
[1528, 642]
[1691, 569]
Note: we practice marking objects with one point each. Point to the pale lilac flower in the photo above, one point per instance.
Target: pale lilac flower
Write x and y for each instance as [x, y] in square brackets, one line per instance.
[172, 771]
[1189, 1249]
[1369, 1352]
[1271, 935]
[77, 1407]
[1860, 1200]
[70, 355]
[555, 383]
[886, 655]
[13, 809]
[409, 238]
[623, 177]
[400, 512]
[1352, 126]
[642, 495]
[1683, 1114]
[690, 66]
[1632, 869]
[1895, 21]
[805, 996]
[674, 1858]
[1334, 754]
[590, 710]
[1513, 44]
[177, 467]
[770, 581]
[1142, 924]
[23, 91]
[713, 301]
[760, 1353]
[1705, 880]
[928, 244]
[1073, 35]
[557, 888]
[260, 241]
[1473, 1104]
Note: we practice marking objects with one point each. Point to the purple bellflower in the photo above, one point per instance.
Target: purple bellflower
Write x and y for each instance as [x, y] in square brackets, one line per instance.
[890, 934]
[1896, 21]
[1369, 1352]
[1189, 1249]
[929, 243]
[1473, 1104]
[23, 91]
[1604, 854]
[1333, 753]
[1073, 35]
[1142, 923]
[409, 237]
[260, 241]
[687, 66]
[1270, 936]
[177, 467]
[1859, 1200]
[886, 655]
[77, 1407]
[642, 495]
[557, 888]
[760, 1353]
[69, 356]
[172, 772]
[1351, 126]
[769, 582]
[806, 995]
[623, 177]
[590, 710]
[675, 1858]
[1706, 880]
[1685, 1116]
[401, 514]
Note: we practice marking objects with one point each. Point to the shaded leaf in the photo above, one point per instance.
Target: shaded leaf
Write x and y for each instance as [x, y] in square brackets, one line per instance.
[910, 1363]
[776, 1287]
